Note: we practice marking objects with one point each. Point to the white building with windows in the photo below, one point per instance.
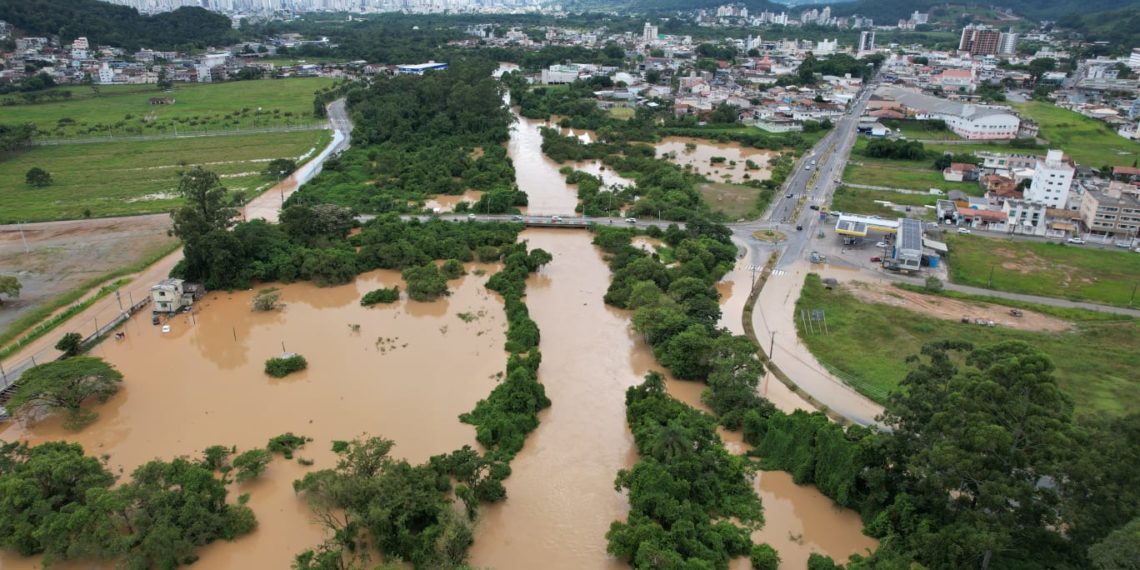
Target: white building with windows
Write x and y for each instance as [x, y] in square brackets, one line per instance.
[1025, 217]
[967, 120]
[1052, 178]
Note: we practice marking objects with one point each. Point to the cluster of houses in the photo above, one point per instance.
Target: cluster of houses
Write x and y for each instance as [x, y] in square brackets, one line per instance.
[1047, 196]
[80, 62]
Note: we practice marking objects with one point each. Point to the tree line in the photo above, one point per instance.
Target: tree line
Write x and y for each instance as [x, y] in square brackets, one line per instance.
[103, 23]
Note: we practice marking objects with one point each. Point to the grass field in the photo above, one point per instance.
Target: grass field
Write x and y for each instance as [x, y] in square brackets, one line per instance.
[913, 130]
[861, 201]
[111, 179]
[736, 201]
[867, 344]
[623, 113]
[1088, 141]
[906, 174]
[1047, 269]
[126, 110]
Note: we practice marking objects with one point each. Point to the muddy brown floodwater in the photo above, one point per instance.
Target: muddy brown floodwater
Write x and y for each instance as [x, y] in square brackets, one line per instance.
[537, 175]
[700, 157]
[406, 374]
[560, 496]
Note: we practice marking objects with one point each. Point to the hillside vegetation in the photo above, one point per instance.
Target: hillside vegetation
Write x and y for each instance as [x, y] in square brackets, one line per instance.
[108, 24]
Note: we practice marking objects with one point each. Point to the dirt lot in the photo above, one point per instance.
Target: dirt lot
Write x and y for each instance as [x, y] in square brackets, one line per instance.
[63, 255]
[953, 309]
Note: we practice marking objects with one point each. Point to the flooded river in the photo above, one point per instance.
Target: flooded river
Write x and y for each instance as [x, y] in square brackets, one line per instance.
[699, 153]
[406, 374]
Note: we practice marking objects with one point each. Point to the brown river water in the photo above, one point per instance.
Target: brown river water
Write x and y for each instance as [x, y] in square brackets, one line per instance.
[406, 374]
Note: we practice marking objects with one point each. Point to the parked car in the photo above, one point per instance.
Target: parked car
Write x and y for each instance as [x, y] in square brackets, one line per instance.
[882, 244]
[556, 219]
[1076, 241]
[1124, 245]
[963, 230]
[876, 259]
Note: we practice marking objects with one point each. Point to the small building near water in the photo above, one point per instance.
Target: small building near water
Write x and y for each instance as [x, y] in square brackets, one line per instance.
[174, 295]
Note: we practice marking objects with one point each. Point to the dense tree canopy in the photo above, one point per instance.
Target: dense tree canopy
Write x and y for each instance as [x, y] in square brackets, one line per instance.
[64, 385]
[104, 23]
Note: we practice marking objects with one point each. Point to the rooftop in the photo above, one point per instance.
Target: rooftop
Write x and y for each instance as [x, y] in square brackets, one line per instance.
[935, 105]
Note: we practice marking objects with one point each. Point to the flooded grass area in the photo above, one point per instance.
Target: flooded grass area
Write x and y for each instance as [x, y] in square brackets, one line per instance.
[406, 374]
[719, 162]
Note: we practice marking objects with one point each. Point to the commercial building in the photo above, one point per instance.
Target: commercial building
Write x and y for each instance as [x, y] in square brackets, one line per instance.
[1113, 212]
[649, 33]
[420, 68]
[562, 74]
[1134, 59]
[1052, 178]
[1024, 217]
[969, 121]
[979, 40]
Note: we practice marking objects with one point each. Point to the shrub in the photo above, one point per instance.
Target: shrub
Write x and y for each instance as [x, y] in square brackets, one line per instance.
[382, 295]
[452, 269]
[933, 283]
[286, 444]
[284, 366]
[251, 464]
[70, 345]
[764, 557]
[266, 299]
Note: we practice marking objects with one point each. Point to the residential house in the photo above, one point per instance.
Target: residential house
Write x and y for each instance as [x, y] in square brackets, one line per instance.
[1113, 212]
[960, 172]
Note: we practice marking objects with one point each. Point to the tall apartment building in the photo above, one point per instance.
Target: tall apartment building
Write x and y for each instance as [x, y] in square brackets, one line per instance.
[649, 33]
[1052, 178]
[979, 40]
[1007, 42]
[866, 41]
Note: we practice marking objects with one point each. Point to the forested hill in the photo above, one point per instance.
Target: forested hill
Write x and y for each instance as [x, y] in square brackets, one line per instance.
[887, 11]
[1120, 28]
[659, 6]
[120, 26]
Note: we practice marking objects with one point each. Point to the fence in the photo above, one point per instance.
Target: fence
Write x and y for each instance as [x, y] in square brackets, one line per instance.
[187, 134]
[107, 314]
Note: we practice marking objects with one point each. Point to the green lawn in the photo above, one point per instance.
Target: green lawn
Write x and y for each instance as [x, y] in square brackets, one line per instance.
[111, 179]
[861, 201]
[1089, 141]
[906, 174]
[623, 113]
[736, 201]
[1097, 363]
[1047, 269]
[913, 130]
[126, 110]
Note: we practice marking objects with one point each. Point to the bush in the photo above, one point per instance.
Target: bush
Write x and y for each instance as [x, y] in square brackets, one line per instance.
[453, 268]
[425, 283]
[266, 299]
[286, 444]
[71, 344]
[820, 562]
[933, 284]
[382, 295]
[284, 366]
[37, 177]
[764, 557]
[251, 464]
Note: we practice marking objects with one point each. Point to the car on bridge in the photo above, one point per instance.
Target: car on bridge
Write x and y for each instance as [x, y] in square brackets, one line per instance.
[631, 220]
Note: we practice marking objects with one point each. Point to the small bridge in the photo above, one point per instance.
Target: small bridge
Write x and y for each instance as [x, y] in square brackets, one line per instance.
[539, 221]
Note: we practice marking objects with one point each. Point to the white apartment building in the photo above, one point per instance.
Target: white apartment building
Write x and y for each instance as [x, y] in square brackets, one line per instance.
[1024, 217]
[649, 33]
[106, 74]
[1052, 178]
[1114, 212]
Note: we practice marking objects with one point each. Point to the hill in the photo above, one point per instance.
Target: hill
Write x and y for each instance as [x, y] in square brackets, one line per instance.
[108, 24]
[1120, 28]
[890, 10]
[663, 6]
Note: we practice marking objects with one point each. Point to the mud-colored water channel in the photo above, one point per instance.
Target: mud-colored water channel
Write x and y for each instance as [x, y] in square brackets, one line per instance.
[407, 374]
[699, 153]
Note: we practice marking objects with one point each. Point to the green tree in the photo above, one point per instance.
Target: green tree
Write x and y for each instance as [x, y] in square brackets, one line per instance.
[9, 286]
[37, 177]
[70, 345]
[1120, 550]
[209, 256]
[764, 557]
[64, 385]
[279, 168]
[425, 283]
[251, 464]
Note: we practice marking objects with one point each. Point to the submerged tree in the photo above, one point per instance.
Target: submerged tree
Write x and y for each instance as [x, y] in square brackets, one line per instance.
[64, 385]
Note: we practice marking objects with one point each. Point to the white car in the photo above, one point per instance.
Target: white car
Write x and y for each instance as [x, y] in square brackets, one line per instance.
[882, 244]
[963, 230]
[1076, 241]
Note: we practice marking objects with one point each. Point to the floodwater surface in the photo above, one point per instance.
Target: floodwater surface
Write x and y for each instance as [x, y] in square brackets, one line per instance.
[538, 176]
[406, 374]
[560, 496]
[702, 152]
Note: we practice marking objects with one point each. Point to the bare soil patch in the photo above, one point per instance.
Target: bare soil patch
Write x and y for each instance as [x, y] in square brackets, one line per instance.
[954, 309]
[62, 255]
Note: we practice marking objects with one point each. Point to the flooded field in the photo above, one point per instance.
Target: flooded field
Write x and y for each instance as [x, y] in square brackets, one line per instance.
[407, 374]
[699, 153]
[448, 202]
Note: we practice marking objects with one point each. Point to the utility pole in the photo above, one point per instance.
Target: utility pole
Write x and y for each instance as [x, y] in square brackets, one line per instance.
[991, 284]
[771, 346]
